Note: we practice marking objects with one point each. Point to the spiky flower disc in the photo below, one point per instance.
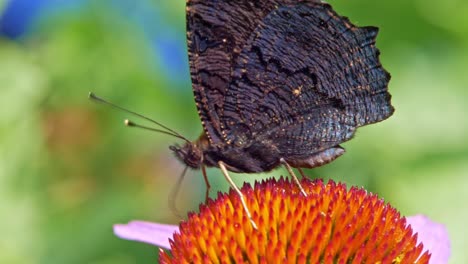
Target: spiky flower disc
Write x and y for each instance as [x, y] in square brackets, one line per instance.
[330, 225]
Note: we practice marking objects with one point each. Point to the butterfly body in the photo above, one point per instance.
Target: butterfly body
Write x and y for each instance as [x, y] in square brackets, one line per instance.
[257, 157]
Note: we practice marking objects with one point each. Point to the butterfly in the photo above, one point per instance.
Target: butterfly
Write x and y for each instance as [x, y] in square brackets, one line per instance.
[278, 82]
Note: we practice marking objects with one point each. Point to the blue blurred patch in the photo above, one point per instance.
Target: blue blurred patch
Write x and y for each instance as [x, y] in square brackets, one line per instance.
[174, 57]
[168, 44]
[18, 16]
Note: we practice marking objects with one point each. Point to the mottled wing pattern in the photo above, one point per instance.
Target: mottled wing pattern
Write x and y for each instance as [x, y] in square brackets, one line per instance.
[304, 79]
[217, 31]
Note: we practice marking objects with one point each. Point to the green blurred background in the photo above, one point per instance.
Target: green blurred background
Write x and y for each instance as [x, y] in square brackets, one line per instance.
[69, 169]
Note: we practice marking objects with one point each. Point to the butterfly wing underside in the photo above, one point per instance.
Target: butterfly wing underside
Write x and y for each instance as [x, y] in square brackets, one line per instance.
[295, 75]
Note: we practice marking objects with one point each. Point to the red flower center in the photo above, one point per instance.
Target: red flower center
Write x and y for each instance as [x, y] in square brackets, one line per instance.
[330, 225]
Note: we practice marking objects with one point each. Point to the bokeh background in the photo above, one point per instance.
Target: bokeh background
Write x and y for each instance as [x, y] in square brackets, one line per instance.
[69, 169]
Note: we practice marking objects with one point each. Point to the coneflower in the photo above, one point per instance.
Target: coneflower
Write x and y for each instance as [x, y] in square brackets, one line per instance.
[332, 224]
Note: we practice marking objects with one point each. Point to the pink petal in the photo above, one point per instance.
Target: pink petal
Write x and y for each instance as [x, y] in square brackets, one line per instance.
[434, 237]
[146, 232]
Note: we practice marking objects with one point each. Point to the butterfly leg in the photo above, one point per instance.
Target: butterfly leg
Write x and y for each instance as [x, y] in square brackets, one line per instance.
[291, 172]
[302, 173]
[233, 185]
[208, 186]
[174, 193]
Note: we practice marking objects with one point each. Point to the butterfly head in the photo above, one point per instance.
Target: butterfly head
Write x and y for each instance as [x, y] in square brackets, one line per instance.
[189, 153]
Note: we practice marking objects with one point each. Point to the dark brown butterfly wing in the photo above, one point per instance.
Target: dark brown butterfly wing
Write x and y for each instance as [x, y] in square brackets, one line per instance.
[295, 75]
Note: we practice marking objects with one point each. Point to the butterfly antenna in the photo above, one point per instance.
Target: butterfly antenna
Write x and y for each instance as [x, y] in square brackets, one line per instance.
[167, 130]
[133, 124]
[174, 193]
